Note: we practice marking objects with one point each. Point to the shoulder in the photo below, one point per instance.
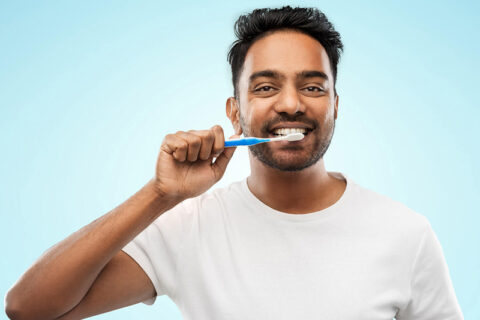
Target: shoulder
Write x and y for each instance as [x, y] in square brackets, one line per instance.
[208, 203]
[386, 211]
[215, 197]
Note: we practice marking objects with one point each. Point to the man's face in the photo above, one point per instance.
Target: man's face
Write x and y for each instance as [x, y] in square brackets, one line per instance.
[286, 85]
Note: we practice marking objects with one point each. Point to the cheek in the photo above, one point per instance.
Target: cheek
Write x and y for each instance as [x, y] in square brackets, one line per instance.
[246, 122]
[256, 114]
[325, 126]
[327, 115]
[327, 123]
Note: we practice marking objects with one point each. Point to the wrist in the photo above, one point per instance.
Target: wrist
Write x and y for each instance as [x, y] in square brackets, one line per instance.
[161, 195]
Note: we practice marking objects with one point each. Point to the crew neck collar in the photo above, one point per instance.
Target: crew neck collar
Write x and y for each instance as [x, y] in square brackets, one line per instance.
[280, 215]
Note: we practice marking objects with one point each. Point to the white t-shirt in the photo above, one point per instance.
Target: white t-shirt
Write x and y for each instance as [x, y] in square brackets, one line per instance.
[227, 255]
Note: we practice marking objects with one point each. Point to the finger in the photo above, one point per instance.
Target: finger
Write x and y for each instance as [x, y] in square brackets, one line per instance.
[220, 164]
[176, 146]
[219, 143]
[207, 137]
[194, 144]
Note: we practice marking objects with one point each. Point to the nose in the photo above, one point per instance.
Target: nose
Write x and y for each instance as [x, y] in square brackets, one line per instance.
[289, 101]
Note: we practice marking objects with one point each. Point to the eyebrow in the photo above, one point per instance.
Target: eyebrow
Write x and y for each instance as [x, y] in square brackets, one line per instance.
[266, 74]
[276, 75]
[312, 74]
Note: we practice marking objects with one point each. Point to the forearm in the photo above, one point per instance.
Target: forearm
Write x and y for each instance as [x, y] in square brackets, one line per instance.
[61, 277]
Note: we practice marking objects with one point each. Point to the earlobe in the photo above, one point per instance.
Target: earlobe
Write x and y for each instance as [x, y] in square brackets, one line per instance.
[233, 114]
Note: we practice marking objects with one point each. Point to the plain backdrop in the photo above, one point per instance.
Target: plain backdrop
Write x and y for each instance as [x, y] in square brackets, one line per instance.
[88, 90]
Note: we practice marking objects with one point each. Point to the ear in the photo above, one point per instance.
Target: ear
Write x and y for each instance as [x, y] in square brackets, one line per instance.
[336, 106]
[233, 113]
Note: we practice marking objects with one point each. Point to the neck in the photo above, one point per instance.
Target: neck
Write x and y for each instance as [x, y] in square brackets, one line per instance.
[308, 190]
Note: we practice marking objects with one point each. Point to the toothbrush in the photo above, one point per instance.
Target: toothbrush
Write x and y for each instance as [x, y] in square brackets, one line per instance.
[250, 141]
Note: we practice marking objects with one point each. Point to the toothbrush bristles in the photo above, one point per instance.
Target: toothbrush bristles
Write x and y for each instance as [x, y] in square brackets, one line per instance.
[294, 136]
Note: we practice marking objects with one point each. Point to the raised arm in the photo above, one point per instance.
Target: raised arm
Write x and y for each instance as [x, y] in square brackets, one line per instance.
[86, 273]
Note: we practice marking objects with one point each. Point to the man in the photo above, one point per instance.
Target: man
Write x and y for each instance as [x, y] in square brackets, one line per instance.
[291, 241]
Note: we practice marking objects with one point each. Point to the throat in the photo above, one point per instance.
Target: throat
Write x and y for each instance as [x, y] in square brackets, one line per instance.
[295, 196]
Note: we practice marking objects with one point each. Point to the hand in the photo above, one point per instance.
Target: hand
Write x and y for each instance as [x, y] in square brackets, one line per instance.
[184, 166]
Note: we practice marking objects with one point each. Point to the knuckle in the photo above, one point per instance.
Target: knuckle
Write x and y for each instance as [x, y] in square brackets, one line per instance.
[205, 133]
[218, 128]
[177, 156]
[182, 145]
[195, 141]
[168, 137]
[209, 135]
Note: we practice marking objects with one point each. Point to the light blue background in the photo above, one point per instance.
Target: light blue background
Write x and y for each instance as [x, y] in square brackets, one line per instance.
[88, 90]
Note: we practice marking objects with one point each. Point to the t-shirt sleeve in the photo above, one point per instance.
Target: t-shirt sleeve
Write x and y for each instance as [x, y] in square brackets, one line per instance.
[432, 292]
[156, 250]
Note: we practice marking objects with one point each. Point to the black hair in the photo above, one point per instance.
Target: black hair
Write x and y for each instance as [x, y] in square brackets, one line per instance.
[261, 22]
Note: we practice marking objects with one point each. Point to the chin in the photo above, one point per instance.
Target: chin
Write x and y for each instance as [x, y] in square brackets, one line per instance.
[289, 167]
[289, 164]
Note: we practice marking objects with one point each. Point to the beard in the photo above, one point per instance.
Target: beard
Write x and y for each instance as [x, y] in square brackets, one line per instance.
[291, 162]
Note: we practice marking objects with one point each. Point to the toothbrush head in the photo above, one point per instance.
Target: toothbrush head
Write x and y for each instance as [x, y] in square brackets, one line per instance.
[294, 136]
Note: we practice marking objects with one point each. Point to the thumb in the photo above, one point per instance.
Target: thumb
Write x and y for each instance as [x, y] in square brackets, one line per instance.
[220, 164]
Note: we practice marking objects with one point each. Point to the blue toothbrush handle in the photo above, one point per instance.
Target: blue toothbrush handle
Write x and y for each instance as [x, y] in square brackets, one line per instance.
[244, 142]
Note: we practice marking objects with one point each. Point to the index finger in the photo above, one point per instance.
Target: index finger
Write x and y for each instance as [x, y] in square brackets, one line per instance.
[219, 142]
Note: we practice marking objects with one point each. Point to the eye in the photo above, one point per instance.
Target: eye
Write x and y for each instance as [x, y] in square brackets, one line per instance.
[264, 88]
[314, 89]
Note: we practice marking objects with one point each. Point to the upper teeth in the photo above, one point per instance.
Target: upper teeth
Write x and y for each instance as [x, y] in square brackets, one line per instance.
[285, 131]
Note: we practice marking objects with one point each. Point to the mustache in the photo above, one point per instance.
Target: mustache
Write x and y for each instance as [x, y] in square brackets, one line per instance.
[288, 118]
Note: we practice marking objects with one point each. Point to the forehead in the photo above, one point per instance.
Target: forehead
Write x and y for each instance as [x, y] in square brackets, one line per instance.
[289, 52]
